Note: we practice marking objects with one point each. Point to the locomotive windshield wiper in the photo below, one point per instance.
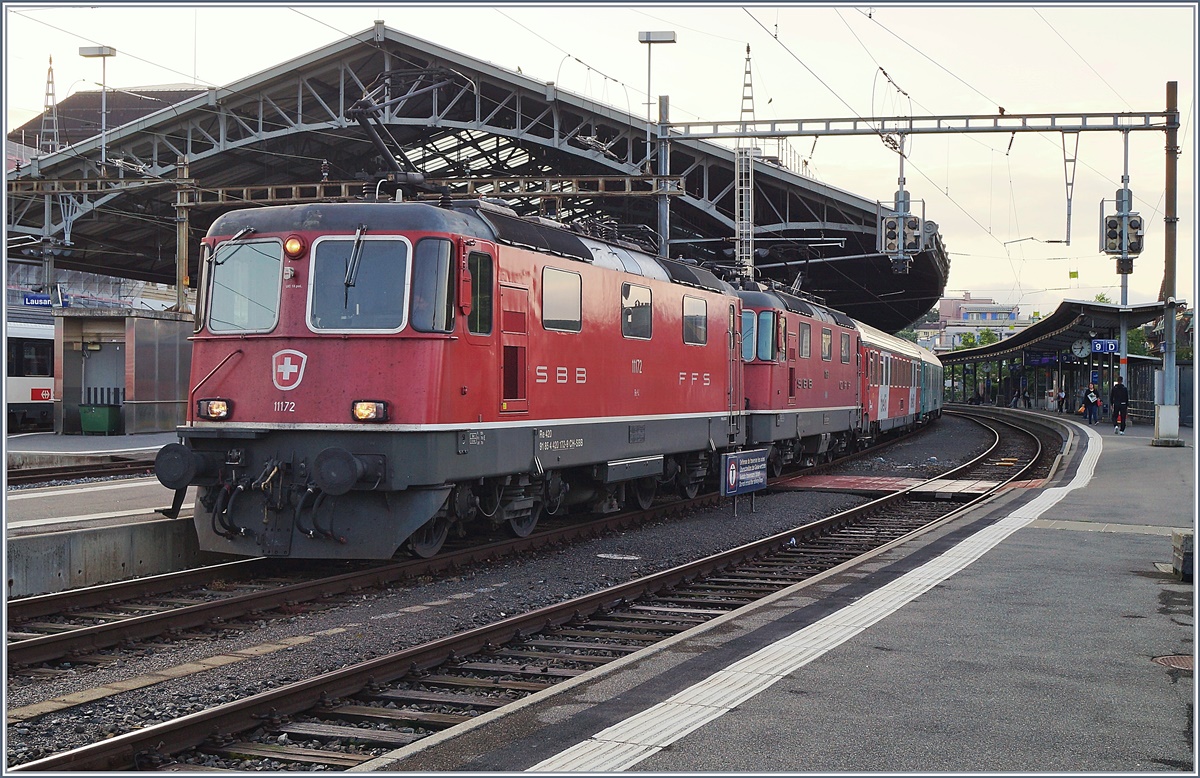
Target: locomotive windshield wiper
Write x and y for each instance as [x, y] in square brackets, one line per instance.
[244, 231]
[355, 255]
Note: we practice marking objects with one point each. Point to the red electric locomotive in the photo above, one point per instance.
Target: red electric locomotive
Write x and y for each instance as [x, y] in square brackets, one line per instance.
[368, 376]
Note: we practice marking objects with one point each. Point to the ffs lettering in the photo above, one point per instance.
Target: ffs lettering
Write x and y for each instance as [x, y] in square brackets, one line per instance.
[692, 379]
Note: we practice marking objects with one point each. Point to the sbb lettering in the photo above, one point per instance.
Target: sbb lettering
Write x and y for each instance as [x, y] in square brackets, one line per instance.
[562, 375]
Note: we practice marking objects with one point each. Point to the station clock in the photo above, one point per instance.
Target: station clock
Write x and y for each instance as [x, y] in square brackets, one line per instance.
[1081, 348]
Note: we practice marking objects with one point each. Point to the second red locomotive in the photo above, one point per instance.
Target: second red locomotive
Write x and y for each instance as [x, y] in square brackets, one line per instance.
[368, 376]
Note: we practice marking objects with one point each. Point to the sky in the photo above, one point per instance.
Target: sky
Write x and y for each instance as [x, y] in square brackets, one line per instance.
[1000, 199]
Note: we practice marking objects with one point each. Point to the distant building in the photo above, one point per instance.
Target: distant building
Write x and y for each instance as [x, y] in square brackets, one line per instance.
[958, 316]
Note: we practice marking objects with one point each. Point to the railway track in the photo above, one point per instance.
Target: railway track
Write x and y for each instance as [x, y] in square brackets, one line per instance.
[92, 625]
[42, 475]
[342, 719]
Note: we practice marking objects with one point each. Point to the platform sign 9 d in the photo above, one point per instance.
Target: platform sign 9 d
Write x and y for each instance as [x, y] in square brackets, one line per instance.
[743, 471]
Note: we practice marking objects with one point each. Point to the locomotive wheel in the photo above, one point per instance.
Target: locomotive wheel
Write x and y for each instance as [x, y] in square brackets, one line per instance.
[521, 526]
[774, 463]
[428, 539]
[644, 490]
[687, 488]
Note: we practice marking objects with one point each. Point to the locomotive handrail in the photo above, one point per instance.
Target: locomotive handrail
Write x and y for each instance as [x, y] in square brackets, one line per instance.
[192, 394]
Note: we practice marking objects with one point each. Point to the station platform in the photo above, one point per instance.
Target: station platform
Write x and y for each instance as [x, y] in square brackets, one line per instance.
[49, 449]
[1043, 631]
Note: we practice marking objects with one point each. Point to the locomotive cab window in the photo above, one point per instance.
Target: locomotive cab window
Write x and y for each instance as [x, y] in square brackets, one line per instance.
[479, 321]
[562, 306]
[766, 335]
[433, 286]
[637, 312]
[749, 334]
[695, 321]
[358, 284]
[246, 280]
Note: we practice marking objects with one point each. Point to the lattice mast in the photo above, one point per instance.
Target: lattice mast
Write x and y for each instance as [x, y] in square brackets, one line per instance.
[743, 196]
[48, 141]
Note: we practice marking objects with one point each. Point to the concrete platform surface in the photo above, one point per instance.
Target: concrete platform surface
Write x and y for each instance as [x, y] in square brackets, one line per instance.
[49, 449]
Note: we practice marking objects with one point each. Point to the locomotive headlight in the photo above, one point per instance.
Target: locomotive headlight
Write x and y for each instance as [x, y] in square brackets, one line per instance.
[369, 410]
[214, 409]
[293, 246]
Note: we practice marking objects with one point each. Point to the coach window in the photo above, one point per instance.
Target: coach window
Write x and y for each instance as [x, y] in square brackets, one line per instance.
[805, 340]
[637, 312]
[358, 284]
[245, 286]
[695, 321]
[845, 348]
[433, 286]
[766, 335]
[826, 344]
[749, 330]
[479, 321]
[561, 300]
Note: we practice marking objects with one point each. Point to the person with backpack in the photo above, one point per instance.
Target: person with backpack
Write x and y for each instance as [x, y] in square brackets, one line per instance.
[1118, 398]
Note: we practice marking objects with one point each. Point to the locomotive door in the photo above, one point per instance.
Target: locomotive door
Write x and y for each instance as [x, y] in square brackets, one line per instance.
[514, 336]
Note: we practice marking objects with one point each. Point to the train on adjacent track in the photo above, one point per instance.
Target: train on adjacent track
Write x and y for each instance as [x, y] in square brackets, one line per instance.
[29, 377]
[372, 376]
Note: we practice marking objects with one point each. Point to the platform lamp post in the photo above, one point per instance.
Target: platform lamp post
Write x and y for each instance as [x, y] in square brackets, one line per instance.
[651, 38]
[103, 52]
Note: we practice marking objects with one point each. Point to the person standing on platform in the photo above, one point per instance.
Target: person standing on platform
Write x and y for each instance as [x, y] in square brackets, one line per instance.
[1091, 405]
[1062, 399]
[1118, 398]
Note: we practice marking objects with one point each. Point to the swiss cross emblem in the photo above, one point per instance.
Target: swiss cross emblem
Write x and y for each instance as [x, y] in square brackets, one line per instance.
[287, 368]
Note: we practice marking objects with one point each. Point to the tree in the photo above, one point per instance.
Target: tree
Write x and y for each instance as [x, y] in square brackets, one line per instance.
[1136, 342]
[966, 340]
[1102, 298]
[987, 337]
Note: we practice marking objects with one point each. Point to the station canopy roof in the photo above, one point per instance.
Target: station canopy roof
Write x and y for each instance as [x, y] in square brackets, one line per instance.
[1073, 320]
[459, 120]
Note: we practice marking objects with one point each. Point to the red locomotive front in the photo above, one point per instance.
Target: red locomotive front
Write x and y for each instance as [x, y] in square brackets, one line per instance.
[371, 375]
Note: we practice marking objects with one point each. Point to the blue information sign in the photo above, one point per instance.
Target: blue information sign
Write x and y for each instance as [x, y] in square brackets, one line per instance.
[38, 300]
[1105, 346]
[743, 471]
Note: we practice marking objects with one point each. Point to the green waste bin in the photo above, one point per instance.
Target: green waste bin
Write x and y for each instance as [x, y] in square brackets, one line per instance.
[100, 418]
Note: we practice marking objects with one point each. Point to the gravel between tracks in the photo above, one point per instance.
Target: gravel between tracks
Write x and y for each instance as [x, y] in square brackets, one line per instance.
[379, 622]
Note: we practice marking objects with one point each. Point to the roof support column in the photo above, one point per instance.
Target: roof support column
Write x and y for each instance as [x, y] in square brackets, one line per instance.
[181, 238]
[1166, 416]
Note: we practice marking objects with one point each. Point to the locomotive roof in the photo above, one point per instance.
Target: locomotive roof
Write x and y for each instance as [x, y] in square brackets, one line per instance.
[474, 218]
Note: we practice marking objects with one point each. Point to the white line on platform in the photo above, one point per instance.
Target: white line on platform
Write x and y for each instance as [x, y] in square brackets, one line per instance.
[31, 494]
[73, 519]
[629, 742]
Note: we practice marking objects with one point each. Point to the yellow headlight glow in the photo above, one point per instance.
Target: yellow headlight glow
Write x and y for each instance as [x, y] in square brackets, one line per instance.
[369, 410]
[213, 409]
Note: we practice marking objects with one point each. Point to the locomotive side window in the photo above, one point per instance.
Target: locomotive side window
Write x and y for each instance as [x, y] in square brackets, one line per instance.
[433, 286]
[749, 328]
[805, 339]
[826, 344]
[479, 321]
[562, 307]
[695, 321]
[637, 312]
[845, 348]
[358, 284]
[766, 335]
[246, 278]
